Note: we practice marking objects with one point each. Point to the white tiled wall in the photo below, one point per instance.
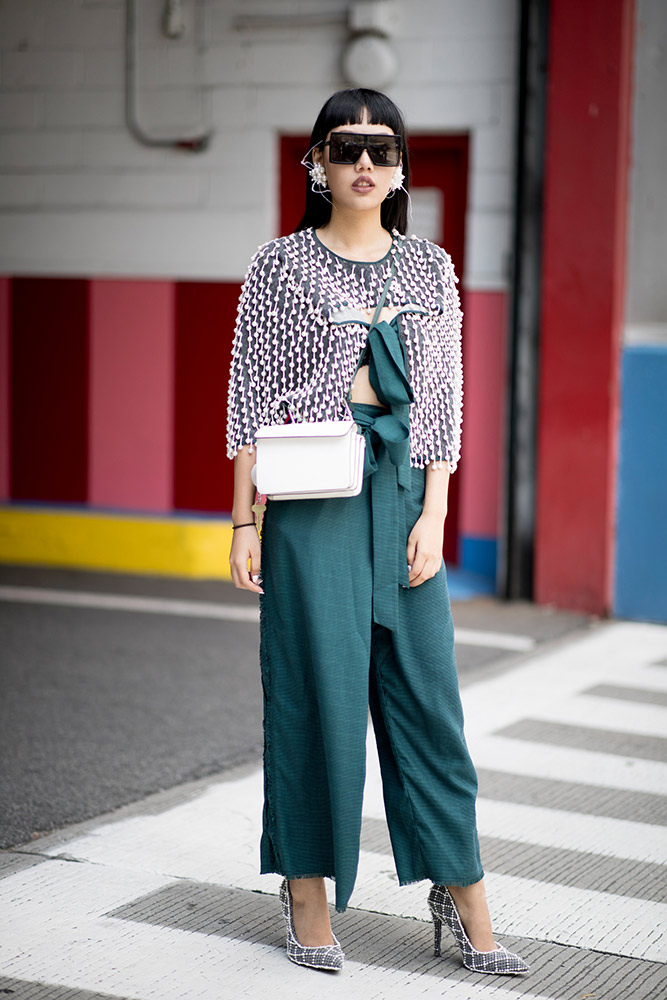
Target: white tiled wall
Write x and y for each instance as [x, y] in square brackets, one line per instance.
[646, 300]
[79, 195]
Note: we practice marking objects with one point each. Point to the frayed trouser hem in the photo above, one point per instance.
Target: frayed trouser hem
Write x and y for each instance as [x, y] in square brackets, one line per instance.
[292, 877]
[446, 880]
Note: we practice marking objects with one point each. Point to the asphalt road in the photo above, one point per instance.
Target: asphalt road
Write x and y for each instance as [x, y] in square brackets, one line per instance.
[102, 706]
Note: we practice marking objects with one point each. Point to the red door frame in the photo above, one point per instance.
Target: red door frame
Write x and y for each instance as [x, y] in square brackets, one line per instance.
[436, 161]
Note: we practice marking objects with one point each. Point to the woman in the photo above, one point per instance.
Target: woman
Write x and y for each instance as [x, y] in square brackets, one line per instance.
[354, 609]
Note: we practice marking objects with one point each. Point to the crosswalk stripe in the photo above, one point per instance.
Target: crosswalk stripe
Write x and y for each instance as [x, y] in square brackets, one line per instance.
[618, 745]
[649, 677]
[605, 713]
[619, 838]
[571, 796]
[527, 757]
[625, 692]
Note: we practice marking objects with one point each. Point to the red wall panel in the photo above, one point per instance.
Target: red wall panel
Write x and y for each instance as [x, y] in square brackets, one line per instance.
[483, 431]
[205, 319]
[131, 394]
[583, 281]
[49, 373]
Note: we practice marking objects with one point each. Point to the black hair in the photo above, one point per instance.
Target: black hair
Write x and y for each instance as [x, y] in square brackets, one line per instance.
[346, 107]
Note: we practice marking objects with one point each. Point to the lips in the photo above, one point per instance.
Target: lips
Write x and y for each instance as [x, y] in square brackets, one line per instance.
[365, 183]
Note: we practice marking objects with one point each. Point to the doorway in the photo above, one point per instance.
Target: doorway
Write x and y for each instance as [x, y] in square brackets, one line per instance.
[439, 184]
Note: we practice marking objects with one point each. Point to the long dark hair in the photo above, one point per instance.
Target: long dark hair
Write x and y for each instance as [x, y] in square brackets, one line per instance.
[346, 107]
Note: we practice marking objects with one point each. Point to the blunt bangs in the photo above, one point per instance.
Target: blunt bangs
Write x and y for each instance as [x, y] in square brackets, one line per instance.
[347, 107]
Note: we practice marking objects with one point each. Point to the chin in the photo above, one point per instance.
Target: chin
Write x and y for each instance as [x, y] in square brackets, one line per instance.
[364, 203]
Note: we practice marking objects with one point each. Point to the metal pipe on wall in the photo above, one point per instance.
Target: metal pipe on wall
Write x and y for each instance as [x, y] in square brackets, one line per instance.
[191, 144]
[515, 563]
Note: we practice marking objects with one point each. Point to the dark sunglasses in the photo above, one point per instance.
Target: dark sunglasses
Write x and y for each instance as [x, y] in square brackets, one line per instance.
[347, 147]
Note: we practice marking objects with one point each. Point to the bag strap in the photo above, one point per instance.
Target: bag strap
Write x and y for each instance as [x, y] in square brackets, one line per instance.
[383, 296]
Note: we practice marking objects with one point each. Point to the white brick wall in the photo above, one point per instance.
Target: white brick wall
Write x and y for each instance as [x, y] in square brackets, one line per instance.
[78, 195]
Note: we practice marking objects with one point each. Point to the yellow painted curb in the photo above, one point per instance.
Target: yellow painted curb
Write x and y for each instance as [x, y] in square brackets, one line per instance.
[174, 546]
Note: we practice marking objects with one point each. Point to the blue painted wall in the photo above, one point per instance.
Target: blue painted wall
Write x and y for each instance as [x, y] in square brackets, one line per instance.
[479, 555]
[641, 546]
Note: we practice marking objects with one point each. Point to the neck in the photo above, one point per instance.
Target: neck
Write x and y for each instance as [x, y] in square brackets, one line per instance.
[355, 229]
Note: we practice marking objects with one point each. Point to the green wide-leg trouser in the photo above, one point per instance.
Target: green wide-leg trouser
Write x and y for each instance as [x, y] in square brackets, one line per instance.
[341, 630]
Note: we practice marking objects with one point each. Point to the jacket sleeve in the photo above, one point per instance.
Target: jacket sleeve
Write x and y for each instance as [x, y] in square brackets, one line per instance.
[441, 374]
[251, 372]
[451, 323]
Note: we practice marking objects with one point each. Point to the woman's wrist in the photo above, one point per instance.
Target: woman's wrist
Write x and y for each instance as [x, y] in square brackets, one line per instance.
[437, 516]
[241, 515]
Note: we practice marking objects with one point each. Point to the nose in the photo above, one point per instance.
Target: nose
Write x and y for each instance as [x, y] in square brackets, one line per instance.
[364, 159]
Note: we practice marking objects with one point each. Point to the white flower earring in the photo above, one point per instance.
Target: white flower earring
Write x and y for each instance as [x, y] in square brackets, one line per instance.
[397, 179]
[318, 176]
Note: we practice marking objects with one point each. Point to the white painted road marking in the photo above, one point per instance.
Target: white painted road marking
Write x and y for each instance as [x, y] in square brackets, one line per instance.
[496, 640]
[125, 602]
[221, 612]
[586, 767]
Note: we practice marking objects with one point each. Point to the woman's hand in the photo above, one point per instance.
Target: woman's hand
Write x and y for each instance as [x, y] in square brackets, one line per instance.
[425, 541]
[425, 548]
[246, 548]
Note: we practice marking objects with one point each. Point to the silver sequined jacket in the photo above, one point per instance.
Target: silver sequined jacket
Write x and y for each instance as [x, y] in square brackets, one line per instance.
[299, 336]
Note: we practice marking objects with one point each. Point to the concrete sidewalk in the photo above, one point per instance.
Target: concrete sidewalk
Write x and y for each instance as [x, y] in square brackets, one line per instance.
[161, 899]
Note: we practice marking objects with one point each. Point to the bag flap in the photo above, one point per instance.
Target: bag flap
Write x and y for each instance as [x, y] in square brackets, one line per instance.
[322, 428]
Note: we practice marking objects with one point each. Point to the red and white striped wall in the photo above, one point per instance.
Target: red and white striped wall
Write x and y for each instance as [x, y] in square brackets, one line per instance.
[118, 392]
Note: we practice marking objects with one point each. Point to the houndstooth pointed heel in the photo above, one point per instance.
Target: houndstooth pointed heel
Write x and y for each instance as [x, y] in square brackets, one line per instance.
[326, 956]
[499, 961]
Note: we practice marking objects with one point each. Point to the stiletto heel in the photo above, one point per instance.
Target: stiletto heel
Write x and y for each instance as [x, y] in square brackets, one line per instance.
[437, 935]
[500, 960]
[326, 956]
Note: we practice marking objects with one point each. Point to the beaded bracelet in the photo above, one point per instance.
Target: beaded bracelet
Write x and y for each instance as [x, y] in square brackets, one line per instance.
[248, 524]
